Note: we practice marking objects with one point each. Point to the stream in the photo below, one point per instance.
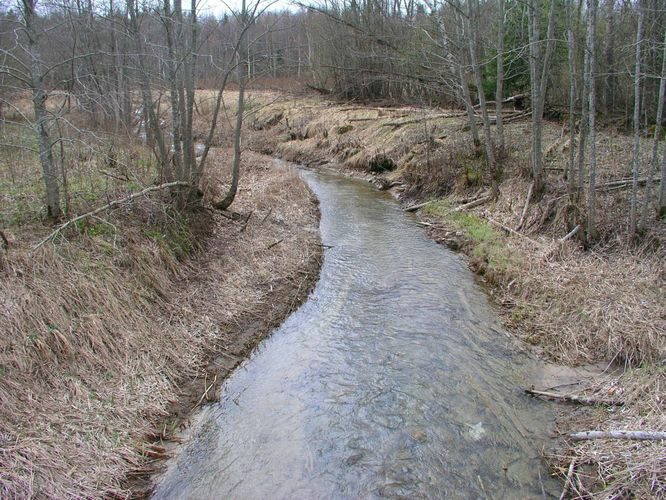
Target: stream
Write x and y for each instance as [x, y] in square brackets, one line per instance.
[395, 379]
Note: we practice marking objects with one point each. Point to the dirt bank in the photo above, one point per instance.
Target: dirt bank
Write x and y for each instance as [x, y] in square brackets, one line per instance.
[574, 306]
[118, 330]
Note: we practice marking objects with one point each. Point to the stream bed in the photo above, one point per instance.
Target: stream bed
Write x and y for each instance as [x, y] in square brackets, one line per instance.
[394, 380]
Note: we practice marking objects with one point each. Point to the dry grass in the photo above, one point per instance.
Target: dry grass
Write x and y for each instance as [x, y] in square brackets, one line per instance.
[101, 329]
[610, 469]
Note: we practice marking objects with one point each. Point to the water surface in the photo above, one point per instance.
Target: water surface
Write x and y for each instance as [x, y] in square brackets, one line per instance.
[393, 380]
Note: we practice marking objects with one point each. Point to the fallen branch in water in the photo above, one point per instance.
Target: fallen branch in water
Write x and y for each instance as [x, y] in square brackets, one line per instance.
[113, 204]
[571, 398]
[636, 435]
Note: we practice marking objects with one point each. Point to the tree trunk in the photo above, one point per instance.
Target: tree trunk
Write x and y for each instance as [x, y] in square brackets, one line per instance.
[657, 134]
[609, 59]
[499, 89]
[476, 68]
[242, 80]
[153, 130]
[637, 125]
[591, 48]
[41, 125]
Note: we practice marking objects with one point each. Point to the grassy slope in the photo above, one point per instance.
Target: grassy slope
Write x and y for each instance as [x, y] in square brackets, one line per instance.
[574, 306]
[102, 328]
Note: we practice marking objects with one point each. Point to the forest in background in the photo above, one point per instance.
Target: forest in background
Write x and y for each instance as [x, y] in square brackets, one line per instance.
[131, 69]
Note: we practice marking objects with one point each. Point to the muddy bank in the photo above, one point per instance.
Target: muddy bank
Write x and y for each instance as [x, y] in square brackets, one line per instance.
[257, 268]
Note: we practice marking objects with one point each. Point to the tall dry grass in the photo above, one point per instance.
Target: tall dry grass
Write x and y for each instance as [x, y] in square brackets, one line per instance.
[102, 326]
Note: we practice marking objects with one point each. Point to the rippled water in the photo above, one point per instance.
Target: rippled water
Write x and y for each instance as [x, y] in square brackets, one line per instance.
[393, 380]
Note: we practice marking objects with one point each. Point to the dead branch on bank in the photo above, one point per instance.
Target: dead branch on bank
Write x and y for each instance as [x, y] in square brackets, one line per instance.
[572, 398]
[108, 206]
[634, 435]
[414, 208]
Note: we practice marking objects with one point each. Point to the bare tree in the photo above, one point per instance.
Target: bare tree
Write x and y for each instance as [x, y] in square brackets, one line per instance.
[244, 20]
[592, 102]
[39, 97]
[476, 69]
[637, 125]
[499, 89]
[657, 135]
[539, 70]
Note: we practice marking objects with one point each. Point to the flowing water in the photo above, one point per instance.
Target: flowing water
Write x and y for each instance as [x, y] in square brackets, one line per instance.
[393, 380]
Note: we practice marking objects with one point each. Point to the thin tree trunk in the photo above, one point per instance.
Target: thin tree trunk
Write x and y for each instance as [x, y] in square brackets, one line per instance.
[40, 125]
[637, 125]
[172, 65]
[571, 57]
[499, 89]
[476, 68]
[465, 94]
[535, 87]
[657, 134]
[591, 48]
[609, 59]
[661, 206]
[242, 80]
[153, 130]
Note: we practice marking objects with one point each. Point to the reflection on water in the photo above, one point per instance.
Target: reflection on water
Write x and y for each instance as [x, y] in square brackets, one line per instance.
[393, 380]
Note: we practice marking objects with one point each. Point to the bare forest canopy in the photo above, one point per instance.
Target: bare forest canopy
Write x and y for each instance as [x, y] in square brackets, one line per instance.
[131, 69]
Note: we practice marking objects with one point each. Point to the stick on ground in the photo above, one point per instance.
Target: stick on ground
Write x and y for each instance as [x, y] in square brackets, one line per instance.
[113, 204]
[637, 435]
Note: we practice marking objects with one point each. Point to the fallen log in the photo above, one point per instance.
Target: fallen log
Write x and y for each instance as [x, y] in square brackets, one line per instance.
[635, 435]
[572, 398]
[513, 231]
[622, 183]
[414, 208]
[421, 119]
[473, 203]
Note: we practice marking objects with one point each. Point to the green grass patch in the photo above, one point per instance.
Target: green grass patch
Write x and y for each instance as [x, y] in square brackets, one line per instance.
[486, 243]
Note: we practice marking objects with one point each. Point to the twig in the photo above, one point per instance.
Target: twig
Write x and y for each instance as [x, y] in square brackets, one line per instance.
[274, 243]
[270, 211]
[473, 203]
[572, 466]
[112, 204]
[636, 435]
[571, 234]
[246, 221]
[203, 396]
[414, 208]
[571, 398]
[512, 231]
[527, 205]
